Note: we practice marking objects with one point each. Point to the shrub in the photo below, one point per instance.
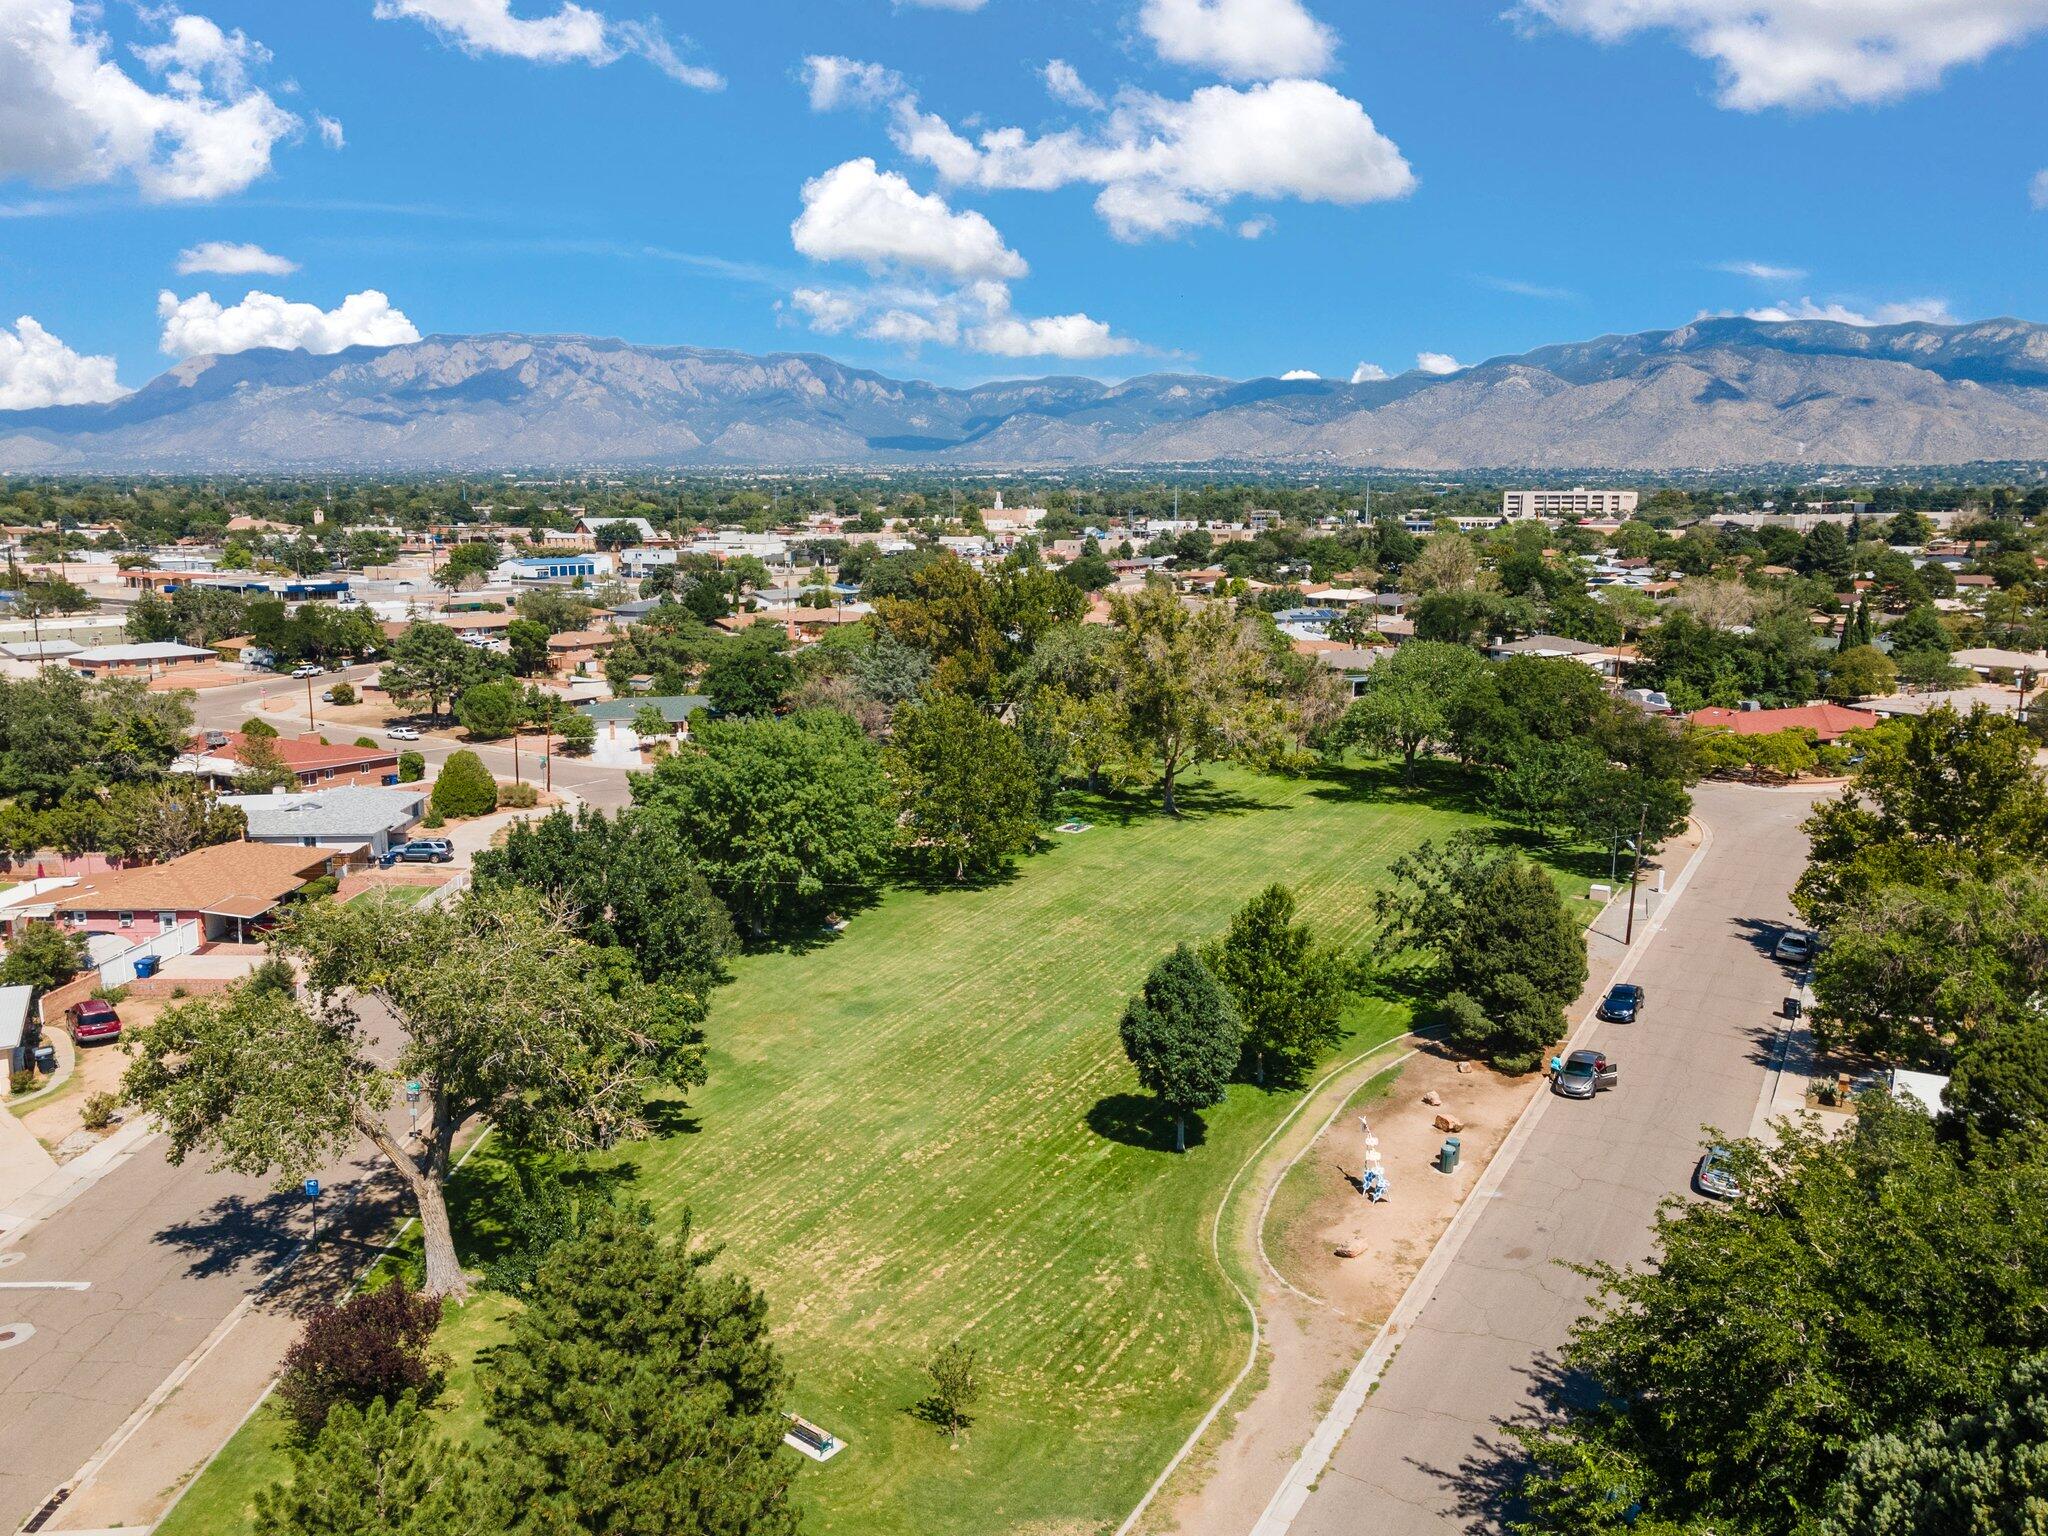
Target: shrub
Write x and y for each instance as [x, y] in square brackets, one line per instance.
[23, 1081]
[464, 787]
[372, 1346]
[262, 729]
[98, 1111]
[518, 797]
[1518, 1066]
[318, 890]
[433, 821]
[344, 693]
[411, 767]
[536, 1213]
[1466, 1024]
[579, 734]
[366, 741]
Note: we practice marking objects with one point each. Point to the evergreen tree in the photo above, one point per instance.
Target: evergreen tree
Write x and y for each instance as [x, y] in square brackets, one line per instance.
[464, 786]
[1182, 1033]
[1289, 989]
[640, 1393]
[379, 1470]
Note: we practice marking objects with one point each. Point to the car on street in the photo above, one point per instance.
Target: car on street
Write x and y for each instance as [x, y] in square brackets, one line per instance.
[1794, 947]
[421, 850]
[404, 733]
[1714, 1176]
[306, 669]
[94, 1022]
[1623, 1003]
[1584, 1074]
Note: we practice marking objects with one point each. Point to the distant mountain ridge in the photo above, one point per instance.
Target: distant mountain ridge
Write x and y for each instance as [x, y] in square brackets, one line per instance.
[1722, 392]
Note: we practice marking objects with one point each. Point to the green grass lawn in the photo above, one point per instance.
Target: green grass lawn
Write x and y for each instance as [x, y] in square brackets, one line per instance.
[924, 1128]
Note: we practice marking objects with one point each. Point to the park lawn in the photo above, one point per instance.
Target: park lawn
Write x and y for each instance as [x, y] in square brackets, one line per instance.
[924, 1129]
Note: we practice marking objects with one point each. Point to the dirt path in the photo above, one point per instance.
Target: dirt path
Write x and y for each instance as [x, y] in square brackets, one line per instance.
[1292, 1213]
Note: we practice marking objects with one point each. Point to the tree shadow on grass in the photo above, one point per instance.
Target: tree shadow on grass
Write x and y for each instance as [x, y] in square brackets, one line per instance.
[1139, 1120]
[488, 1187]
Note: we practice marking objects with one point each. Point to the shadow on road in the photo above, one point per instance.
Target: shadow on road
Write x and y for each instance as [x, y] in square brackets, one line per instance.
[266, 1237]
[1486, 1488]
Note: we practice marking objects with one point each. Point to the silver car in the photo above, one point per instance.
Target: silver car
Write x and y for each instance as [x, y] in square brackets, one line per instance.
[1583, 1074]
[1714, 1176]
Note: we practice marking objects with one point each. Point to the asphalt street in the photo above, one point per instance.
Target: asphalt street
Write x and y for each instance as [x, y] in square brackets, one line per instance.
[227, 707]
[169, 1253]
[1426, 1453]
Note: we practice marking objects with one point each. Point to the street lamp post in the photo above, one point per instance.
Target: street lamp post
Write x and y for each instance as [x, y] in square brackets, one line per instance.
[1635, 870]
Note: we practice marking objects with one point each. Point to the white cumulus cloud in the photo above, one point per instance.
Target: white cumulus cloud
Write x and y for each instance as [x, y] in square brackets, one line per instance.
[1438, 362]
[1165, 166]
[1293, 374]
[330, 130]
[1063, 82]
[836, 81]
[201, 324]
[228, 257]
[855, 212]
[1239, 39]
[69, 114]
[1075, 336]
[1253, 229]
[1762, 271]
[2037, 190]
[571, 34]
[1932, 311]
[1368, 373]
[1811, 53]
[37, 369]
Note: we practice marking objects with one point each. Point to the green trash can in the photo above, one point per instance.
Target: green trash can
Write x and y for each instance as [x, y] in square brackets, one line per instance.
[1447, 1158]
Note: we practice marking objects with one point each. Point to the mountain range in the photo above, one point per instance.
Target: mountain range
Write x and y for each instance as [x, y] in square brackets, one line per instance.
[1718, 393]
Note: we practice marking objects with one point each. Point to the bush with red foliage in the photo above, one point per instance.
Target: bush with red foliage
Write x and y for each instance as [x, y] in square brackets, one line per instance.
[373, 1345]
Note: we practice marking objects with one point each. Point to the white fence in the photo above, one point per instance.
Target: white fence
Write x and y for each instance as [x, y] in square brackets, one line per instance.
[119, 970]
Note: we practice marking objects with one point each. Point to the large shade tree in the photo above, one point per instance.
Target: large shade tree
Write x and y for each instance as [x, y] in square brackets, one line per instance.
[499, 1012]
[1183, 1033]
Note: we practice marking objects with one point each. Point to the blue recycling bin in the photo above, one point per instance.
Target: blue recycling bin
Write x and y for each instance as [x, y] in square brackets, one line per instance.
[145, 967]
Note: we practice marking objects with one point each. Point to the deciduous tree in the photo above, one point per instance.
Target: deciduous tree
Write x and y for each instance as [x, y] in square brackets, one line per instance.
[1183, 1034]
[967, 788]
[1289, 989]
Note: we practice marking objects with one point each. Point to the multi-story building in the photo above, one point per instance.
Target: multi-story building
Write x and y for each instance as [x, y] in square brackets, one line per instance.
[1575, 503]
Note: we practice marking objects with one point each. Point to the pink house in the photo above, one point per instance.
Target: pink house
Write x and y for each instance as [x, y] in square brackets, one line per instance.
[223, 888]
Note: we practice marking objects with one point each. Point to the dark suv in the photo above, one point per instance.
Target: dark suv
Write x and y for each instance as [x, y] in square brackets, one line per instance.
[1623, 1004]
[421, 850]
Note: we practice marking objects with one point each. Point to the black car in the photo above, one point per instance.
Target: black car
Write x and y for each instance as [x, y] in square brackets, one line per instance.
[1623, 1004]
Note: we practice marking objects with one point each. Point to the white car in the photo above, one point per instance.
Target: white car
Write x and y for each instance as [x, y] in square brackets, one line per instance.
[404, 733]
[306, 670]
[1795, 947]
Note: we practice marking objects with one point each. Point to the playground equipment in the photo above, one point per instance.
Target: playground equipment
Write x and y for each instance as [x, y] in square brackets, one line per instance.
[1372, 1178]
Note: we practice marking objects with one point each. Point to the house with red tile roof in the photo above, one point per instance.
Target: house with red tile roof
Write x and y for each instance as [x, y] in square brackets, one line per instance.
[1828, 722]
[220, 756]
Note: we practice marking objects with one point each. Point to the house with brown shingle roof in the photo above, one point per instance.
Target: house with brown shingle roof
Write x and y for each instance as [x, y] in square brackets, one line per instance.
[220, 757]
[223, 888]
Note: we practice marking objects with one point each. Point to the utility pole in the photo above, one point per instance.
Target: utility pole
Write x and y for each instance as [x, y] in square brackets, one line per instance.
[515, 757]
[311, 723]
[1635, 869]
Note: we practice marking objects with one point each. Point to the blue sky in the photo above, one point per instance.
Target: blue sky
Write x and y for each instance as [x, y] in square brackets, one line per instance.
[1231, 186]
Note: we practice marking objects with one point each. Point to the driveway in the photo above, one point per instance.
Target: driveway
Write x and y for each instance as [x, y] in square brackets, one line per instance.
[1425, 1453]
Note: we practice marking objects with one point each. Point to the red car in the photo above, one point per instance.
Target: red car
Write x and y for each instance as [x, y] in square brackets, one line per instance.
[94, 1022]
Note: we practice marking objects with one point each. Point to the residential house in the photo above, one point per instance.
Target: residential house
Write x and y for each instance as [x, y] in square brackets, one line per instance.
[147, 660]
[574, 652]
[1828, 722]
[351, 818]
[221, 890]
[1604, 659]
[222, 756]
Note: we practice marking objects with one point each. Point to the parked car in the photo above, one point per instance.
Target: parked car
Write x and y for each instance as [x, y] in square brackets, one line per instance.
[1715, 1175]
[1794, 947]
[421, 850]
[1623, 1004]
[94, 1022]
[404, 733]
[305, 669]
[1584, 1074]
